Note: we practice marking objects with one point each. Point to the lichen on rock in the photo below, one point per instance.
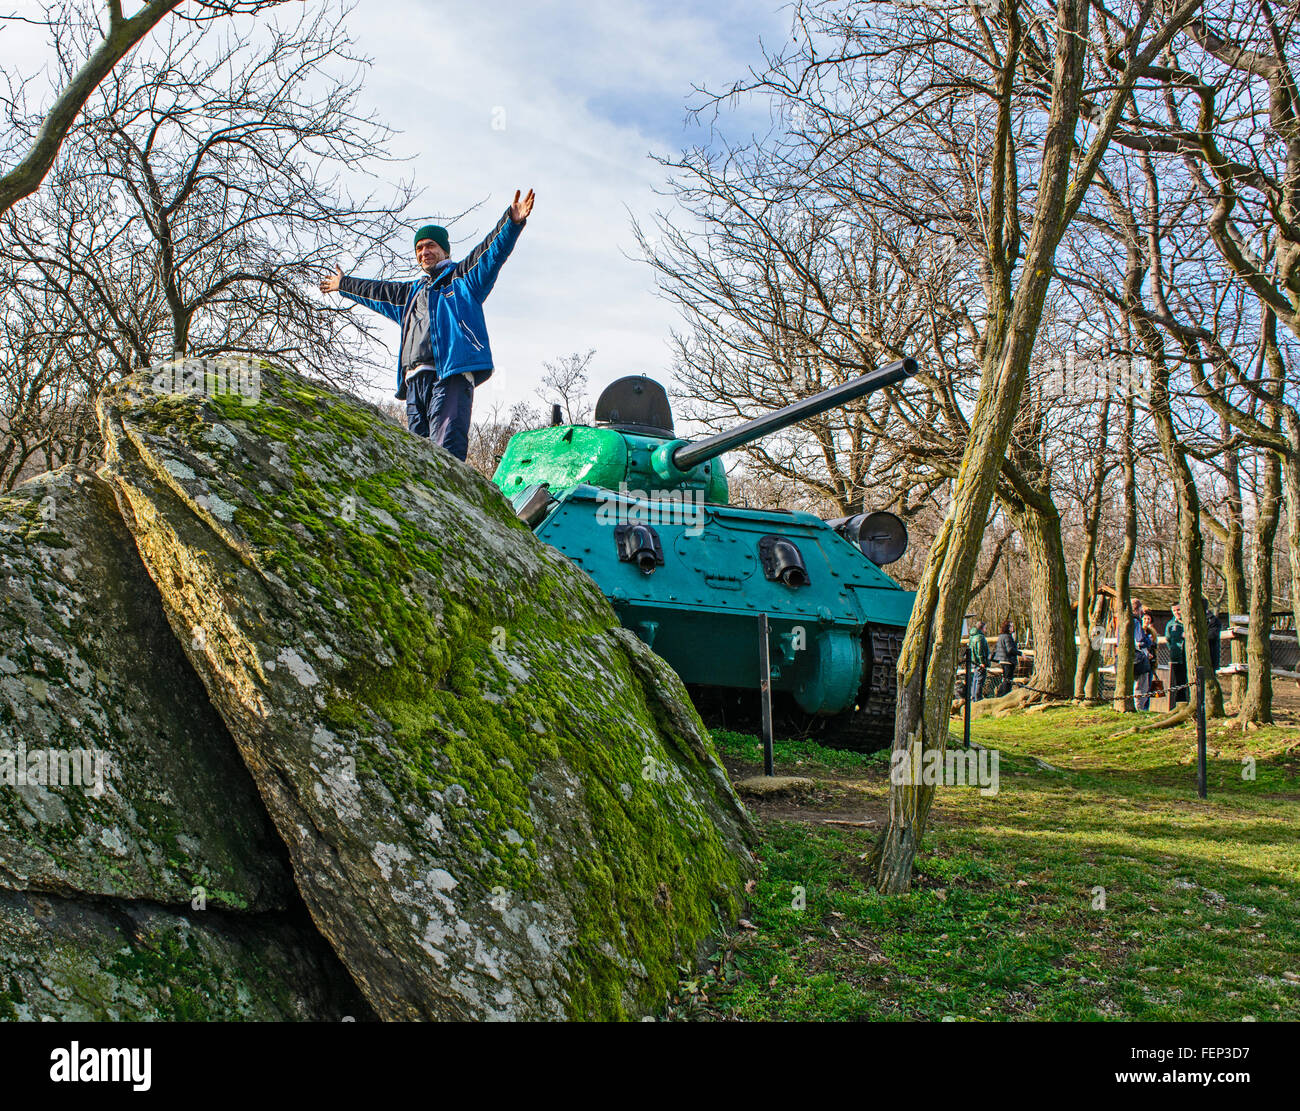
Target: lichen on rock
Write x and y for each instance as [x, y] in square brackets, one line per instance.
[140, 876]
[130, 960]
[496, 802]
[117, 778]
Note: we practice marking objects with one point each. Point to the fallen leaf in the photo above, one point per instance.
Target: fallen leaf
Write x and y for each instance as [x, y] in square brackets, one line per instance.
[746, 924]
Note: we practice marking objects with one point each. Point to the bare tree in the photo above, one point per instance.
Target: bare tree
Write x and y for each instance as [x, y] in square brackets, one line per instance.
[1226, 111]
[87, 50]
[195, 203]
[566, 380]
[49, 371]
[1020, 75]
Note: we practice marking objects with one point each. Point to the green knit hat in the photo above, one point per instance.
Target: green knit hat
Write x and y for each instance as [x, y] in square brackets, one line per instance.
[437, 234]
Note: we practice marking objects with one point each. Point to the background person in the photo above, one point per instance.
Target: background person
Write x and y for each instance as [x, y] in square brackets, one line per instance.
[1142, 645]
[1177, 656]
[979, 661]
[1215, 629]
[1007, 653]
[1155, 685]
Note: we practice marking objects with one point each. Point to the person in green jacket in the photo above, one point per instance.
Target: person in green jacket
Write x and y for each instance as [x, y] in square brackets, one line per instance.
[979, 661]
[1177, 656]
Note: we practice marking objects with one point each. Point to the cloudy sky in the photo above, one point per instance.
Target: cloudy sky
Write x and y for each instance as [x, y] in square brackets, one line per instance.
[569, 97]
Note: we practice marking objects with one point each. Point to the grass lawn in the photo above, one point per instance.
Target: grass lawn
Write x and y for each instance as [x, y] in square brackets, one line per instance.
[1201, 913]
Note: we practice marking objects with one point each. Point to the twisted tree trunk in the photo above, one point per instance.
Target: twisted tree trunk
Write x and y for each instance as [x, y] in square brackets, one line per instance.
[1086, 677]
[1017, 286]
[1258, 703]
[1124, 647]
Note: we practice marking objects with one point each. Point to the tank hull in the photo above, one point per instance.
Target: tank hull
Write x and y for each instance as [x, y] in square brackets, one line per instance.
[697, 603]
[646, 515]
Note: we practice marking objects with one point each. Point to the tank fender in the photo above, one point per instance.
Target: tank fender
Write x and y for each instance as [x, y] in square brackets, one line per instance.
[831, 673]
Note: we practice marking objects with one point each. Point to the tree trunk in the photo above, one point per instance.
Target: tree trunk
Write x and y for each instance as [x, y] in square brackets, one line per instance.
[1291, 476]
[928, 660]
[1039, 525]
[1092, 683]
[1234, 559]
[1086, 677]
[1258, 703]
[1191, 592]
[1124, 647]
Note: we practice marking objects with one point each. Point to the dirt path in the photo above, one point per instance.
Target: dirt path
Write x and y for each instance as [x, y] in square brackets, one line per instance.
[850, 799]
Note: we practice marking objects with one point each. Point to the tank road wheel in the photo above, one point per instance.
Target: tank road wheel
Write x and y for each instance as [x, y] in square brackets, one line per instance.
[869, 726]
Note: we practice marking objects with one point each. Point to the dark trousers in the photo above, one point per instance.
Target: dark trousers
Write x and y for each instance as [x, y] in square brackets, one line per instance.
[1142, 693]
[977, 677]
[439, 409]
[1177, 679]
[1008, 673]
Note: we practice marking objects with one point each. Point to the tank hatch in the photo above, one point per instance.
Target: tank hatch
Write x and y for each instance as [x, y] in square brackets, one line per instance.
[636, 404]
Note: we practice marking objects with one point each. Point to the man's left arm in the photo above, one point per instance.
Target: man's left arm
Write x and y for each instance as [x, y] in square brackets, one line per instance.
[480, 268]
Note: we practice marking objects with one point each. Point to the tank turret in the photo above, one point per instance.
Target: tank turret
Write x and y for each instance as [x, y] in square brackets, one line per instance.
[646, 515]
[632, 444]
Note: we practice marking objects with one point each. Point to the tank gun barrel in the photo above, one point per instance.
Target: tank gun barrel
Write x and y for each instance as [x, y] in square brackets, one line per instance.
[690, 455]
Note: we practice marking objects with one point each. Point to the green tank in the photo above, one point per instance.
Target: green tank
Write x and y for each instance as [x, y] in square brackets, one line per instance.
[647, 516]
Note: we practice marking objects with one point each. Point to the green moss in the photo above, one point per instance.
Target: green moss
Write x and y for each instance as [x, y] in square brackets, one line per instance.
[172, 969]
[655, 878]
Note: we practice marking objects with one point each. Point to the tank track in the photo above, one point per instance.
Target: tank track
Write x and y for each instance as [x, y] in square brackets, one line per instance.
[869, 726]
[866, 728]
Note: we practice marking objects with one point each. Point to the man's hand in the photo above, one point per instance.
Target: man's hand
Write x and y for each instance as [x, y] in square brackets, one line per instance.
[331, 284]
[520, 209]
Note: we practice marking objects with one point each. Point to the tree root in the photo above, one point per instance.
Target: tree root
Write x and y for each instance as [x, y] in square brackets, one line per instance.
[1018, 698]
[1178, 717]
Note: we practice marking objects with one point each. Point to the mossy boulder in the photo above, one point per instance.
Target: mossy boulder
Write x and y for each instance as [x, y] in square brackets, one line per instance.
[117, 961]
[117, 777]
[140, 876]
[497, 803]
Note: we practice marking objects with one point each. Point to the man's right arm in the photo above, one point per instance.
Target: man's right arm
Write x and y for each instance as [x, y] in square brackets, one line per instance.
[387, 298]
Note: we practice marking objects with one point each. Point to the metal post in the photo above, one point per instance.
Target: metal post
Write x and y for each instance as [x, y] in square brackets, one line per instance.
[765, 695]
[1200, 732]
[966, 698]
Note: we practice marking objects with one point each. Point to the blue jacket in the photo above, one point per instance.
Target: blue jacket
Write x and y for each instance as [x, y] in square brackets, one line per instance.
[441, 314]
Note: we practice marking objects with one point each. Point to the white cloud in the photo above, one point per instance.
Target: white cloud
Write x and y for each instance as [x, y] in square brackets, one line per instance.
[586, 90]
